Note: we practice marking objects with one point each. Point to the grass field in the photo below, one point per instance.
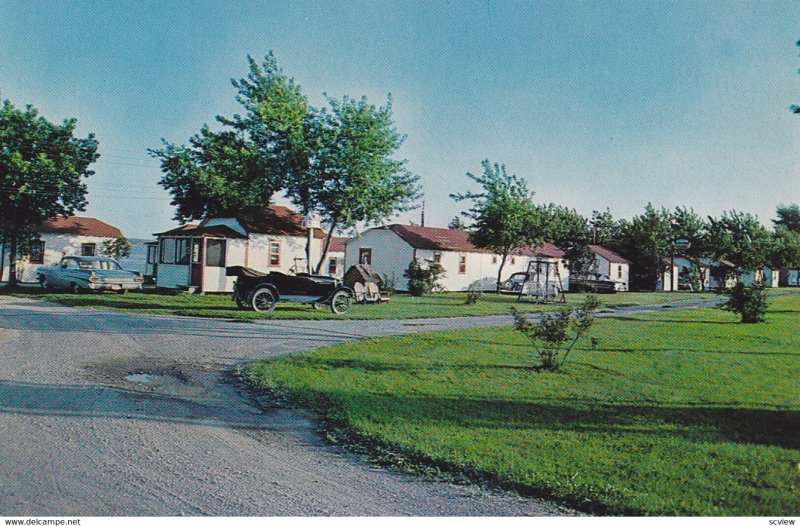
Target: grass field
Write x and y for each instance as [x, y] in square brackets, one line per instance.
[400, 306]
[678, 413]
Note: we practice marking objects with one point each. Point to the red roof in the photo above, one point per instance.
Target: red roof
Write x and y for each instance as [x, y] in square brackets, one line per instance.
[181, 230]
[277, 220]
[430, 238]
[548, 250]
[274, 220]
[79, 226]
[337, 244]
[608, 255]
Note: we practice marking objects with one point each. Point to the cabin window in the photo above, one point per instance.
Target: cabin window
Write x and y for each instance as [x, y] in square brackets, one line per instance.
[274, 253]
[168, 250]
[494, 259]
[152, 250]
[437, 257]
[87, 249]
[619, 271]
[462, 264]
[182, 251]
[513, 260]
[215, 252]
[36, 254]
[365, 256]
[332, 266]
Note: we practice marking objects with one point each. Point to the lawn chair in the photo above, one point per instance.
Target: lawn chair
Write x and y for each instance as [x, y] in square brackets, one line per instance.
[374, 294]
[360, 292]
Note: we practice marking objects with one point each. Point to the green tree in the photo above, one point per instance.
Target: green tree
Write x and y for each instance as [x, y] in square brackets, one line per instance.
[786, 250]
[644, 241]
[788, 217]
[242, 166]
[334, 163]
[571, 232]
[603, 228]
[504, 217]
[42, 167]
[741, 239]
[687, 224]
[457, 223]
[117, 248]
[360, 181]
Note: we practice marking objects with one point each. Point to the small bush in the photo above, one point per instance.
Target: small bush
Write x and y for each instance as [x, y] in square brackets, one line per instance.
[474, 293]
[423, 279]
[555, 335]
[748, 302]
[390, 283]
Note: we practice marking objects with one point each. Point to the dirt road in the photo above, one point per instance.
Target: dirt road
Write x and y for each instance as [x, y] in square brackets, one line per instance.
[105, 413]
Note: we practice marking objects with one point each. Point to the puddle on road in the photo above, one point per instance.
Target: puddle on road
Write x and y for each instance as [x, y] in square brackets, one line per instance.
[141, 378]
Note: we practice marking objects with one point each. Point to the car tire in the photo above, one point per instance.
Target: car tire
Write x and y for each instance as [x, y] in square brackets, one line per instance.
[74, 288]
[121, 291]
[43, 283]
[263, 300]
[341, 302]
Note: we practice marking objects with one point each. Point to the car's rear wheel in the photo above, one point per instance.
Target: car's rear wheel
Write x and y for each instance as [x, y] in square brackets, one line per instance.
[341, 302]
[263, 300]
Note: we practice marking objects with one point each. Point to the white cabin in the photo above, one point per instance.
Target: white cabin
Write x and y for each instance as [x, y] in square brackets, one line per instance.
[195, 256]
[63, 236]
[390, 249]
[610, 265]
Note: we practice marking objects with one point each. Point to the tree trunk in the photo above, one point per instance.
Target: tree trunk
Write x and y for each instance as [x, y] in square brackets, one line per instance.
[12, 262]
[326, 247]
[500, 271]
[2, 258]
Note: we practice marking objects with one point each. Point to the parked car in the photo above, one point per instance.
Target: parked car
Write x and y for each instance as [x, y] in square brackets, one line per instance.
[600, 285]
[261, 292]
[81, 273]
[513, 285]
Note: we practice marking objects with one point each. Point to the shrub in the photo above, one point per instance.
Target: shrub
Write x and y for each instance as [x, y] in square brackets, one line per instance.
[390, 283]
[423, 279]
[555, 335]
[473, 294]
[748, 302]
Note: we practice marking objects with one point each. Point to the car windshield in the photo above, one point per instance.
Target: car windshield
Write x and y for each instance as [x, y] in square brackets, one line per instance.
[100, 264]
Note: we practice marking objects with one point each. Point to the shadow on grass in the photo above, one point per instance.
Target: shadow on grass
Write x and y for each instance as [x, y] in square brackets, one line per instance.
[773, 427]
[673, 320]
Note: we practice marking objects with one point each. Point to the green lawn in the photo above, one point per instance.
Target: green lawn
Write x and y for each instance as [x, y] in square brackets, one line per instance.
[400, 306]
[682, 412]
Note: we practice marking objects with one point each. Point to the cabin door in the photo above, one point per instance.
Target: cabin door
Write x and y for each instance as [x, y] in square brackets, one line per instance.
[197, 263]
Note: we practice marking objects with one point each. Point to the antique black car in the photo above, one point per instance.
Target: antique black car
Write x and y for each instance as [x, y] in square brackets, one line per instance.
[261, 292]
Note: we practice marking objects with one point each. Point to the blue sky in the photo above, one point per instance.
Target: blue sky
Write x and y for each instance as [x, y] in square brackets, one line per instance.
[603, 104]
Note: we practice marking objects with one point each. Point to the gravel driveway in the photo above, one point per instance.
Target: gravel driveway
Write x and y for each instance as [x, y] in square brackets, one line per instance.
[88, 430]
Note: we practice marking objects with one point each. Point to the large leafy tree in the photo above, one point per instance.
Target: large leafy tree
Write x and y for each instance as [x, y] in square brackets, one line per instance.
[336, 163]
[786, 250]
[603, 228]
[503, 215]
[740, 238]
[572, 233]
[644, 241]
[42, 170]
[358, 178]
[244, 164]
[788, 217]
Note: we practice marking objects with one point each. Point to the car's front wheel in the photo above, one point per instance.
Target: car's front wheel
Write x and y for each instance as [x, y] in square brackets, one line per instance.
[43, 282]
[75, 288]
[341, 302]
[263, 300]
